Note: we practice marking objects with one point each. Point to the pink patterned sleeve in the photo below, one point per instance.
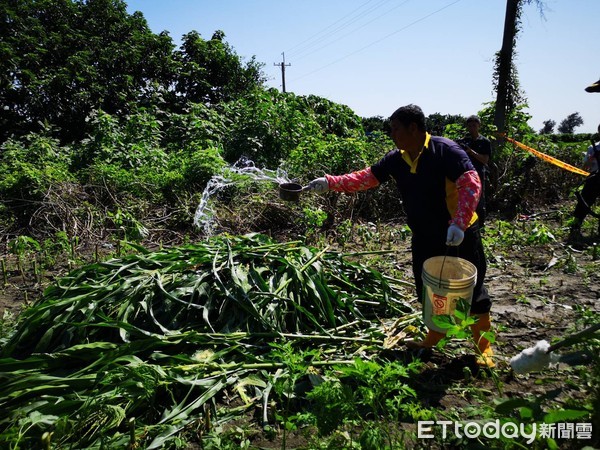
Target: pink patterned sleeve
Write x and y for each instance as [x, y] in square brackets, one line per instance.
[468, 186]
[353, 182]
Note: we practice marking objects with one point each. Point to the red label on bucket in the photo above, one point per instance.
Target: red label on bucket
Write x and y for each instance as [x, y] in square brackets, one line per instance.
[439, 304]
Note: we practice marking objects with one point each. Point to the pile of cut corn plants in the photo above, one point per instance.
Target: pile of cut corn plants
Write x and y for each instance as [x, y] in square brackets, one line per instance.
[149, 349]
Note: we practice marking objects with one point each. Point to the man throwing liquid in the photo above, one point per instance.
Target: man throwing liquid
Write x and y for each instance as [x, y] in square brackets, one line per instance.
[440, 190]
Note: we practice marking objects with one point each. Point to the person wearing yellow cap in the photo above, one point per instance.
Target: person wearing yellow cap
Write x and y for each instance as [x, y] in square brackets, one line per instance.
[440, 191]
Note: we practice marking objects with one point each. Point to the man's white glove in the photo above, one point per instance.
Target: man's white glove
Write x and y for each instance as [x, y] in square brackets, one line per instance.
[319, 185]
[455, 235]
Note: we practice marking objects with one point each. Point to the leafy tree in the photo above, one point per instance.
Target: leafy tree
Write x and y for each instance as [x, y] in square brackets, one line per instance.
[548, 127]
[568, 125]
[436, 122]
[376, 123]
[62, 59]
[211, 71]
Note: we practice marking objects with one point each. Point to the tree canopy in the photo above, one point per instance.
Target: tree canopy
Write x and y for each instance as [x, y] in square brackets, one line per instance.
[62, 59]
[569, 124]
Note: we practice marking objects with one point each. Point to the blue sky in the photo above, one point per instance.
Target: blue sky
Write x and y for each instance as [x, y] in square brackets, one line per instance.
[377, 55]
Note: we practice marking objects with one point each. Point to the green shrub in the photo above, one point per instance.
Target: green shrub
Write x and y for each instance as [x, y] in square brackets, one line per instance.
[334, 118]
[201, 165]
[29, 169]
[130, 145]
[198, 127]
[30, 166]
[335, 155]
[265, 127]
[268, 125]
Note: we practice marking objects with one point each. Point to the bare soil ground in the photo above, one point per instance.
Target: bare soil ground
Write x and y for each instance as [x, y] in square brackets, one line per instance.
[536, 289]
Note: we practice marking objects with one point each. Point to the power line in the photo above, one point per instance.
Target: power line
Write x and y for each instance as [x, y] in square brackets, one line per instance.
[318, 42]
[291, 49]
[358, 16]
[352, 31]
[377, 41]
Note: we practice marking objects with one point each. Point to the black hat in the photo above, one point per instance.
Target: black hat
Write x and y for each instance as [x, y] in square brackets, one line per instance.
[594, 87]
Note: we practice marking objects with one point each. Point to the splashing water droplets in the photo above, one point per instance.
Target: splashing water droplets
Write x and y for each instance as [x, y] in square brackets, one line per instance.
[242, 170]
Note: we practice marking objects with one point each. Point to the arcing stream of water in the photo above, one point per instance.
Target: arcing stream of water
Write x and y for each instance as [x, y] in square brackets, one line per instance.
[244, 169]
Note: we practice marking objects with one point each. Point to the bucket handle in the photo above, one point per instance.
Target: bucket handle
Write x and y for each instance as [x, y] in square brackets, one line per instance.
[442, 267]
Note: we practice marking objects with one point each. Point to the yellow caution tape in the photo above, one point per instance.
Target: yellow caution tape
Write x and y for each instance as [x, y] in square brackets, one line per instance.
[548, 158]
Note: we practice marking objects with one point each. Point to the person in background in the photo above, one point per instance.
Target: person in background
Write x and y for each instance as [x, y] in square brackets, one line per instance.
[479, 149]
[590, 159]
[440, 191]
[589, 193]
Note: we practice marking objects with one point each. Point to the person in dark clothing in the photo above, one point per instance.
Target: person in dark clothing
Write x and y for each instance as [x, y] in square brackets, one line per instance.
[440, 191]
[590, 192]
[479, 149]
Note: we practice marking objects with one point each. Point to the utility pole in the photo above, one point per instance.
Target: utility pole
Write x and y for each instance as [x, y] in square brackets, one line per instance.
[282, 65]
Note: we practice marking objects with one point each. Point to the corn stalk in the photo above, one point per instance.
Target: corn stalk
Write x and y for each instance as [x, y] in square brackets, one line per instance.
[134, 351]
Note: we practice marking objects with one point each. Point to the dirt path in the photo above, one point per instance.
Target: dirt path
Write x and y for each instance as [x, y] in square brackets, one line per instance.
[536, 293]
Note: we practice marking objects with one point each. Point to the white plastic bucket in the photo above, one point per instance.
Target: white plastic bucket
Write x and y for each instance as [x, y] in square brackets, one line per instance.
[445, 280]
